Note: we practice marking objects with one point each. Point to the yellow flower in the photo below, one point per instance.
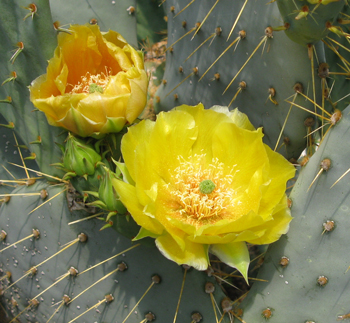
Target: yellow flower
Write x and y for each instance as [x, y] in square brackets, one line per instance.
[95, 83]
[202, 181]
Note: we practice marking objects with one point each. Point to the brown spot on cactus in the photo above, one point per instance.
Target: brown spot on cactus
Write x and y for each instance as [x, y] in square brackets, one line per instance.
[73, 271]
[150, 317]
[226, 305]
[196, 317]
[122, 266]
[272, 94]
[93, 21]
[218, 31]
[184, 24]
[30, 181]
[309, 122]
[43, 194]
[325, 166]
[284, 261]
[336, 116]
[328, 226]
[209, 287]
[269, 32]
[131, 10]
[323, 70]
[109, 298]
[36, 233]
[322, 281]
[66, 299]
[156, 279]
[3, 235]
[267, 313]
[298, 87]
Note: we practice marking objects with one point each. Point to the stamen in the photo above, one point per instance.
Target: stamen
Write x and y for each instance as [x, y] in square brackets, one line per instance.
[203, 192]
[92, 83]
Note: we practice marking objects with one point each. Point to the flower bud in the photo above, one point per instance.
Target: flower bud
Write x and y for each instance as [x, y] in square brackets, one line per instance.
[80, 157]
[107, 193]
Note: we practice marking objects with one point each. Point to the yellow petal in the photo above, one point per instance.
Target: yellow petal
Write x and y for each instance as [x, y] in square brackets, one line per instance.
[98, 107]
[138, 99]
[239, 118]
[274, 228]
[176, 130]
[128, 197]
[208, 122]
[280, 172]
[242, 149]
[226, 238]
[194, 254]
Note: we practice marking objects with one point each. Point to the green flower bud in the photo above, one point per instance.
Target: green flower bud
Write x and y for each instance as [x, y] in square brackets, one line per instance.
[80, 157]
[107, 193]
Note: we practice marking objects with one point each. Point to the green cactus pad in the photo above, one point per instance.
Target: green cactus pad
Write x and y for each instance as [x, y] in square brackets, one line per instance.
[306, 269]
[127, 287]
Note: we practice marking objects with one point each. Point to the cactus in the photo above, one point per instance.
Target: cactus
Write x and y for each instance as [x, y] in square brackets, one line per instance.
[307, 267]
[51, 215]
[270, 77]
[127, 287]
[270, 68]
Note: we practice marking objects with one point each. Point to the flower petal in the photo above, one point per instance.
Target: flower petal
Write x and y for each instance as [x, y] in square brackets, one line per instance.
[274, 228]
[234, 254]
[280, 172]
[128, 197]
[194, 254]
[239, 118]
[208, 122]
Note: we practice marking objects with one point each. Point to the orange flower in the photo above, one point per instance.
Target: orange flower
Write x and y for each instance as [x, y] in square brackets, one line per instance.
[95, 83]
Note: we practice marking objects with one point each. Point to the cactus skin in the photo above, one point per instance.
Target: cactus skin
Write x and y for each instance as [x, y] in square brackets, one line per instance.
[262, 71]
[143, 262]
[293, 291]
[52, 219]
[39, 39]
[283, 64]
[107, 14]
[312, 28]
[9, 154]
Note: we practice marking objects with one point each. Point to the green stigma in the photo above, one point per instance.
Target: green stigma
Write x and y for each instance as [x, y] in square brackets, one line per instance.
[93, 87]
[207, 186]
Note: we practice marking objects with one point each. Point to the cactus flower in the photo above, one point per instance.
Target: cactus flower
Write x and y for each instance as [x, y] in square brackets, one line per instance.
[202, 181]
[95, 83]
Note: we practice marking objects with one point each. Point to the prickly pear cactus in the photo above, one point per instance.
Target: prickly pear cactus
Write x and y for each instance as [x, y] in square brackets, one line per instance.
[253, 66]
[27, 45]
[308, 267]
[127, 285]
[116, 15]
[44, 254]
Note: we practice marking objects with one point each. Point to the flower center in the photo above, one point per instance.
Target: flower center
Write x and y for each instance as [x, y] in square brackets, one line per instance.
[92, 83]
[203, 193]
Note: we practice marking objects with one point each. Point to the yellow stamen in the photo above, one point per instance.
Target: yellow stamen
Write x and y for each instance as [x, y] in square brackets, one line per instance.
[195, 207]
[98, 81]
